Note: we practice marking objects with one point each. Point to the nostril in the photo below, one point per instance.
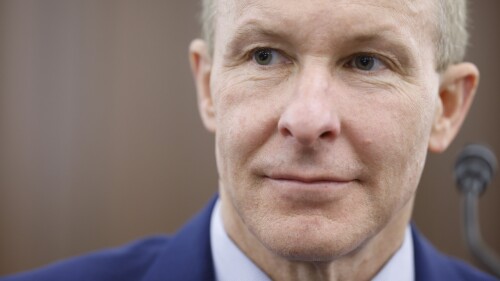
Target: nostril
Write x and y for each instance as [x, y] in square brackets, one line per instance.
[326, 135]
[285, 131]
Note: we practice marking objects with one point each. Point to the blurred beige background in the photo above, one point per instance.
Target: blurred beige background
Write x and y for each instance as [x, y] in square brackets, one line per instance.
[100, 140]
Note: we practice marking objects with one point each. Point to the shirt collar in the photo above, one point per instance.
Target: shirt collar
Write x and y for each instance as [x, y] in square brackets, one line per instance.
[231, 263]
[401, 266]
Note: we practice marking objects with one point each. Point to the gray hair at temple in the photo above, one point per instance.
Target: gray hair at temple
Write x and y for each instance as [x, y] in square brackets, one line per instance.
[452, 35]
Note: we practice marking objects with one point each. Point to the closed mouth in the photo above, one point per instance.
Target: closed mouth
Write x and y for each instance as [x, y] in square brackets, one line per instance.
[308, 179]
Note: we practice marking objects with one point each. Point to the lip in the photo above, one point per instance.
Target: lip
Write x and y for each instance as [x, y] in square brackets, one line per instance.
[296, 187]
[302, 185]
[308, 179]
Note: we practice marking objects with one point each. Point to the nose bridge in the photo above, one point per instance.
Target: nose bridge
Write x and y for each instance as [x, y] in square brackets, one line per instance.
[313, 81]
[310, 115]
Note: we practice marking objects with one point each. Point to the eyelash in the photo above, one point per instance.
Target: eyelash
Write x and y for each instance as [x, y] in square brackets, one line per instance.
[383, 61]
[380, 60]
[250, 54]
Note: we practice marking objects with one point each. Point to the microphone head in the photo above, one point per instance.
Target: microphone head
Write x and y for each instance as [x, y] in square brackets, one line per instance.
[474, 168]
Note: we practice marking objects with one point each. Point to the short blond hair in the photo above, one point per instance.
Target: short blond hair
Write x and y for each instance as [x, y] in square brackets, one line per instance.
[452, 34]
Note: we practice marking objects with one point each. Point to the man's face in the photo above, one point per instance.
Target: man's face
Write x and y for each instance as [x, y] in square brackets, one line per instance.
[323, 111]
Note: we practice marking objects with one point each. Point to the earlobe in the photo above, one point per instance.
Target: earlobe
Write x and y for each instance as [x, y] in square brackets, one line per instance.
[201, 67]
[456, 93]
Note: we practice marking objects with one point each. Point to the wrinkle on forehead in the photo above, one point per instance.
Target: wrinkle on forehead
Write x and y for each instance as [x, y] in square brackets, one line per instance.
[303, 18]
[419, 11]
[411, 7]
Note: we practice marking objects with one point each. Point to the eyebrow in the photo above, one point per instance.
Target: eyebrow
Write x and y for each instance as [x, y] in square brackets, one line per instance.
[398, 47]
[254, 31]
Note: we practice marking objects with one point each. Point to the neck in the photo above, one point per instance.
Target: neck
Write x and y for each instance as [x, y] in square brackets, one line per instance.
[361, 264]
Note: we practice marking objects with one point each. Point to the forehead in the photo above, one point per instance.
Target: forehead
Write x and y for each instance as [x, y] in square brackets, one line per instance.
[328, 18]
[406, 8]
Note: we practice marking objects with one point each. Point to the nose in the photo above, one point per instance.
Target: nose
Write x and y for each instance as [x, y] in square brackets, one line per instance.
[311, 117]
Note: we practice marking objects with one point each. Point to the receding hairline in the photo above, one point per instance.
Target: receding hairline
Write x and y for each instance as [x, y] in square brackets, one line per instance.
[448, 30]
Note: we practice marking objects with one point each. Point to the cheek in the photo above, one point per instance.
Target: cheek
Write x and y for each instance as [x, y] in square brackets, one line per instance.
[391, 134]
[246, 119]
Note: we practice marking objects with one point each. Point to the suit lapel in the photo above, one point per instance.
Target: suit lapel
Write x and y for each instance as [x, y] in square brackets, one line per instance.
[429, 263]
[188, 255]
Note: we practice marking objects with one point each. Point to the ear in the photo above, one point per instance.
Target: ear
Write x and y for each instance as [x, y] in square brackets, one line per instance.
[456, 93]
[201, 67]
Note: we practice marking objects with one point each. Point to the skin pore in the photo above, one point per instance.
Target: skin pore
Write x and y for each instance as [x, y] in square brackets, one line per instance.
[323, 112]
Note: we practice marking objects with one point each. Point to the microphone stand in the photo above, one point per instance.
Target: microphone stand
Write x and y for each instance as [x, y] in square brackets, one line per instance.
[473, 171]
[473, 234]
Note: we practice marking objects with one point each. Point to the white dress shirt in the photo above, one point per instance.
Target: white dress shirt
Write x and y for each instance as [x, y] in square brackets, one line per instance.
[231, 264]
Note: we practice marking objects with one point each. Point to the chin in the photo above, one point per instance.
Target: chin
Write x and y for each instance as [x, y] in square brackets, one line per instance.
[312, 239]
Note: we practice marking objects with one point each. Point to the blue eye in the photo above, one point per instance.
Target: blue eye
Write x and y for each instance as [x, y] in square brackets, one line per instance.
[269, 56]
[263, 56]
[366, 63]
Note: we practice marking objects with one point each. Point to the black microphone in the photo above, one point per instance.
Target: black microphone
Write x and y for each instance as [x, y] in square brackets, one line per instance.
[474, 170]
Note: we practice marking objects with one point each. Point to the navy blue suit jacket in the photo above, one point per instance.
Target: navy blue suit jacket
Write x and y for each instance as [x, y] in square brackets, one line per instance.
[186, 256]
